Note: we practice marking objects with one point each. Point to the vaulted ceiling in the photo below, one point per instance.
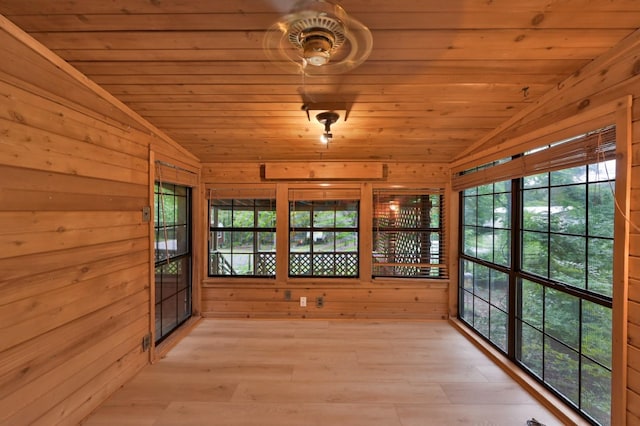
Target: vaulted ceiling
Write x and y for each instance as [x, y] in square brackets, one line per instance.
[441, 75]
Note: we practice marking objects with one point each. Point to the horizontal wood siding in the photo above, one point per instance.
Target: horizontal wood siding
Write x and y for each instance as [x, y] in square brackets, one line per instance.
[338, 301]
[75, 253]
[613, 76]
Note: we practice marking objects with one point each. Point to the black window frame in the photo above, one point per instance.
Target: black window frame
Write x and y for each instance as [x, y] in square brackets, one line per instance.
[408, 238]
[582, 300]
[178, 264]
[262, 260]
[314, 260]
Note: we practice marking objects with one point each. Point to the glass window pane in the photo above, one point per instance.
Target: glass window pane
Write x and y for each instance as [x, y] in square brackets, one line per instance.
[266, 241]
[181, 210]
[499, 327]
[470, 211]
[323, 242]
[224, 218]
[535, 215]
[324, 219]
[532, 305]
[502, 211]
[266, 219]
[568, 256]
[569, 176]
[568, 209]
[481, 316]
[243, 219]
[485, 210]
[184, 306]
[300, 218]
[499, 296]
[469, 241]
[158, 284]
[562, 317]
[299, 242]
[561, 369]
[536, 181]
[467, 307]
[605, 170]
[601, 209]
[467, 273]
[535, 252]
[596, 391]
[531, 349]
[481, 281]
[169, 314]
[485, 244]
[596, 332]
[344, 241]
[502, 247]
[600, 276]
[485, 189]
[504, 186]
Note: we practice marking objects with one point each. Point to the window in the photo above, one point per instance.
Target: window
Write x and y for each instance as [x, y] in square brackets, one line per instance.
[565, 284]
[408, 234]
[172, 224]
[242, 240]
[536, 274]
[486, 244]
[323, 238]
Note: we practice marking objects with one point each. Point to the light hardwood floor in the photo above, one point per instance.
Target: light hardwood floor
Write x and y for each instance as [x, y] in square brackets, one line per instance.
[251, 372]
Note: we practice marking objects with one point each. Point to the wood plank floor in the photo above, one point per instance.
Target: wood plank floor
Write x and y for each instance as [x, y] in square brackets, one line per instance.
[250, 372]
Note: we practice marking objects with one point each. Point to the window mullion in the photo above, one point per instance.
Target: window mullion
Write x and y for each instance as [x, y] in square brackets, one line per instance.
[515, 267]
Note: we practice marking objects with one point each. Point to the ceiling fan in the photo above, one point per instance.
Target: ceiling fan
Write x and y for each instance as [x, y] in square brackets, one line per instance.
[317, 37]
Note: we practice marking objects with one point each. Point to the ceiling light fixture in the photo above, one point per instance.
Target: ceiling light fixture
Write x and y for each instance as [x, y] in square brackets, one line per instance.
[327, 118]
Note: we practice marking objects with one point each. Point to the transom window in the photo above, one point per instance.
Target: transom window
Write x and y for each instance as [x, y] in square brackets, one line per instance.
[408, 234]
[323, 238]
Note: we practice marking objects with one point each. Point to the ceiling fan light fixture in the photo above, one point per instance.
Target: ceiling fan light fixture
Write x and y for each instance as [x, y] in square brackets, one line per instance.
[317, 33]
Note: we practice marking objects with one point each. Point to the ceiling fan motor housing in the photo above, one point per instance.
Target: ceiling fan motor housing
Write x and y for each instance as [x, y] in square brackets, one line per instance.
[318, 35]
[317, 44]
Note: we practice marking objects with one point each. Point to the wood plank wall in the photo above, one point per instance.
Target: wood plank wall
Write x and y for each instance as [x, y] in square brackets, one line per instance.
[350, 298]
[75, 253]
[611, 77]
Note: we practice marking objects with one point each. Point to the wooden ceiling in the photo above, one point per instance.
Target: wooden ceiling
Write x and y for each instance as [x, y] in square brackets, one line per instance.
[442, 74]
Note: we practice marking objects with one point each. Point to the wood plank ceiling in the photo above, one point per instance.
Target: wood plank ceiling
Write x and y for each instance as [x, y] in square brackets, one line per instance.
[441, 74]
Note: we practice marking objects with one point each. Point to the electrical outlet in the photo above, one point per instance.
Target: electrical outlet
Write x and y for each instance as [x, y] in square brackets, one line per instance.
[287, 295]
[303, 301]
[319, 302]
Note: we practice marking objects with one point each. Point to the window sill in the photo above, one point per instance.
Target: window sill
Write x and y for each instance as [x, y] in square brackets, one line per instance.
[226, 281]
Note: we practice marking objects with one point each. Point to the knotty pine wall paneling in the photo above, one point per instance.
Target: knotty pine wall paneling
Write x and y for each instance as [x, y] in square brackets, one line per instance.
[612, 77]
[75, 253]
